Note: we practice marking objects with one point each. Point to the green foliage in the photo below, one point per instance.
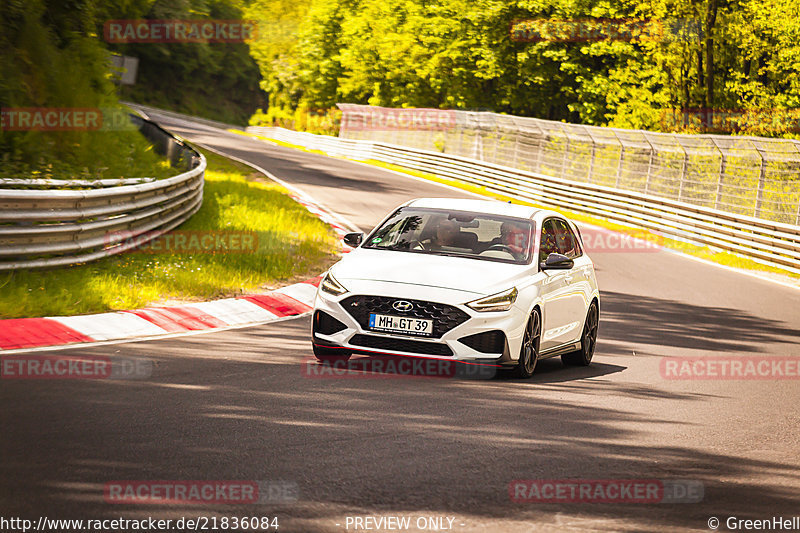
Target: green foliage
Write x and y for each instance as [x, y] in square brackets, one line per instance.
[49, 58]
[735, 55]
[319, 121]
[219, 81]
[275, 51]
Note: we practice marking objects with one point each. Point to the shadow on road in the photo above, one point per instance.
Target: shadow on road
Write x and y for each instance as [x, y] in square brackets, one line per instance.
[235, 405]
[636, 319]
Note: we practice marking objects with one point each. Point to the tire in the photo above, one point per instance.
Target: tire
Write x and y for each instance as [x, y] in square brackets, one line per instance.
[583, 357]
[529, 351]
[330, 355]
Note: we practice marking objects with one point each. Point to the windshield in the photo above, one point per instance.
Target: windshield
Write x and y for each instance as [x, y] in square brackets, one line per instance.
[456, 233]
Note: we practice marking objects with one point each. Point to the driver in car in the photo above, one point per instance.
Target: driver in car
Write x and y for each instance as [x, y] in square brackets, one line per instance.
[514, 238]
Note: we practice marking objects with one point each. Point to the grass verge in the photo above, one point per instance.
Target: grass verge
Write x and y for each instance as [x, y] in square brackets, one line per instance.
[702, 252]
[290, 244]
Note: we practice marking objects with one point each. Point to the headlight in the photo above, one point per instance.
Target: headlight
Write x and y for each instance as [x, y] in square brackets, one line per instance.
[331, 286]
[501, 301]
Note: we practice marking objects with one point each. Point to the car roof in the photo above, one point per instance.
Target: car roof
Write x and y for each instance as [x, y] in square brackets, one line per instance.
[492, 207]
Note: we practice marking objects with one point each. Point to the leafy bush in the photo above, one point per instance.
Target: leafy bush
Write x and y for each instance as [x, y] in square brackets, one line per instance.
[49, 58]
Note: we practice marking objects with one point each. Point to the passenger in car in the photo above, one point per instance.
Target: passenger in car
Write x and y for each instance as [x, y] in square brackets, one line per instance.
[549, 243]
[447, 232]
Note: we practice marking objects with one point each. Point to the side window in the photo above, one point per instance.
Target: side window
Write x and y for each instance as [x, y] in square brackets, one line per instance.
[549, 244]
[568, 244]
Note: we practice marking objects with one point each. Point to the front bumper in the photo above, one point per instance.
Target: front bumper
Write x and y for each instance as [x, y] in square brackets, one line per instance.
[487, 338]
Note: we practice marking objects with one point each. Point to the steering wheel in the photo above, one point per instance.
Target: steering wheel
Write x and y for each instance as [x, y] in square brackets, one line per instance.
[501, 248]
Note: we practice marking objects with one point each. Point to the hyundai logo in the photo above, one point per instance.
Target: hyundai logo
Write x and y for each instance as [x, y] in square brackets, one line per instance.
[402, 306]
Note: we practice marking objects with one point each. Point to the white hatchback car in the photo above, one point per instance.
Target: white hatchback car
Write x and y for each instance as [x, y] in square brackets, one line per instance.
[475, 281]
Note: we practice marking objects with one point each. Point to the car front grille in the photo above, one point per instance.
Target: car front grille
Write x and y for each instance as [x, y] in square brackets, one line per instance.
[401, 345]
[445, 317]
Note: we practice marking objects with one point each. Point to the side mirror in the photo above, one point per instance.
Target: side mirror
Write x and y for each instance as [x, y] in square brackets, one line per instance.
[557, 262]
[353, 239]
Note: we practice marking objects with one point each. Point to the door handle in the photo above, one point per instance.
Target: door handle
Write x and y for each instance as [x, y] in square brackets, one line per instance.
[568, 279]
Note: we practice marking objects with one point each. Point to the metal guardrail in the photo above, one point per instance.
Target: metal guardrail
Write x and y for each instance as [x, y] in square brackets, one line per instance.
[48, 228]
[772, 243]
[753, 176]
[69, 184]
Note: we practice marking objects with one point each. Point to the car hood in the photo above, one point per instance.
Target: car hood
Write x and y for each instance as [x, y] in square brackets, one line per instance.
[468, 275]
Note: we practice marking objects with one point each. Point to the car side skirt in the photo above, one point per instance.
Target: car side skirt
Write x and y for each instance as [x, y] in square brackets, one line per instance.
[560, 350]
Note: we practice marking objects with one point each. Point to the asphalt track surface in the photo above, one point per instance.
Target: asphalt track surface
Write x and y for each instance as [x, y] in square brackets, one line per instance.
[236, 405]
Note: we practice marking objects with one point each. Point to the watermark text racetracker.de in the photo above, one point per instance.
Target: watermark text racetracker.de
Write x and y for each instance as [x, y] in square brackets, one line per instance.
[759, 367]
[180, 31]
[200, 492]
[585, 30]
[44, 367]
[639, 491]
[599, 240]
[185, 241]
[388, 366]
[388, 119]
[785, 120]
[100, 119]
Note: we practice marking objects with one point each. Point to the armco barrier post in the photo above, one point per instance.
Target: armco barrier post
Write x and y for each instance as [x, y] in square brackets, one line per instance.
[761, 177]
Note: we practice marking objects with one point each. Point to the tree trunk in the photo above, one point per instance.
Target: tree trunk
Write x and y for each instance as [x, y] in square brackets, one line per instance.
[762, 69]
[701, 75]
[711, 19]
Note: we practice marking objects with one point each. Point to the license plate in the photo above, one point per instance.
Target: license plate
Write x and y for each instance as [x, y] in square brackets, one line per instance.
[398, 324]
